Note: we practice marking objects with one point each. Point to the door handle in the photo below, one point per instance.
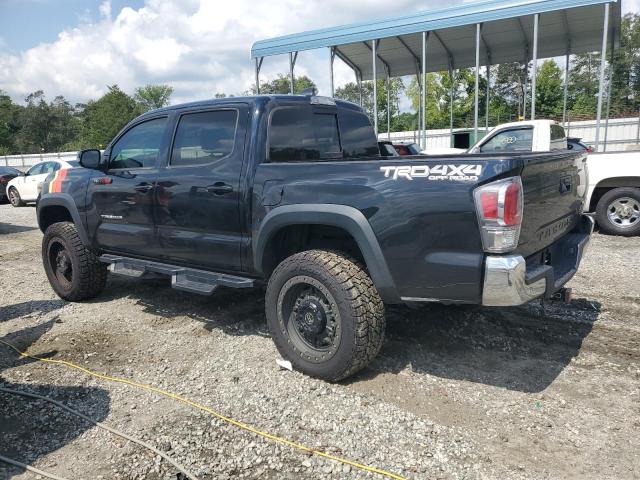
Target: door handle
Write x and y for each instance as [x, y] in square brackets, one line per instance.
[220, 188]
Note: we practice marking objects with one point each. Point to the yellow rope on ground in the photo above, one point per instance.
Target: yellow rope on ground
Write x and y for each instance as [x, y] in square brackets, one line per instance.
[204, 408]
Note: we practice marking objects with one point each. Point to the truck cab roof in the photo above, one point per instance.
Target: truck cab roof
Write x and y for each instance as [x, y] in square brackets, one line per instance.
[263, 99]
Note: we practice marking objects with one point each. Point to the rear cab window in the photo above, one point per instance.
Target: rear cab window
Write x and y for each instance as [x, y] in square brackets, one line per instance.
[558, 138]
[303, 133]
[358, 138]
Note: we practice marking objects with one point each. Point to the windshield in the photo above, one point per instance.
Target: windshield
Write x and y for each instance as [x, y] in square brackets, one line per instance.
[73, 163]
[9, 171]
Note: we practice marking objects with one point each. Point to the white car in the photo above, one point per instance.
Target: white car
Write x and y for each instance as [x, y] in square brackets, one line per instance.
[26, 188]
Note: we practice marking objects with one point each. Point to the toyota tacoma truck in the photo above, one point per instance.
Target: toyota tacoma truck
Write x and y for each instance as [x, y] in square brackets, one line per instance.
[291, 191]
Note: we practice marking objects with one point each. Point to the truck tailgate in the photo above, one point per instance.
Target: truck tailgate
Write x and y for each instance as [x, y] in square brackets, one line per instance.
[554, 189]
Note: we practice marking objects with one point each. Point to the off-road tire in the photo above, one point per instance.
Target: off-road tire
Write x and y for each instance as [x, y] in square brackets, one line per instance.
[89, 275]
[605, 201]
[14, 197]
[361, 312]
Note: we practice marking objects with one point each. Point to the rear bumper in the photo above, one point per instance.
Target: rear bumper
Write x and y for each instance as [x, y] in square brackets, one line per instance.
[512, 280]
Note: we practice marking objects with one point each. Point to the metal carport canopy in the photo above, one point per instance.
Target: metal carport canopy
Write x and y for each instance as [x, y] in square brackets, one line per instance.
[566, 26]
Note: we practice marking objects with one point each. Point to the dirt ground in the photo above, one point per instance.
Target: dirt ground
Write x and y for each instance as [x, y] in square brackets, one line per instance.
[536, 392]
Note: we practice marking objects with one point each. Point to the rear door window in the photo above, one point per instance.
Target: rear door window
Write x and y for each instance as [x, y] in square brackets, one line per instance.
[204, 137]
[511, 140]
[299, 134]
[48, 167]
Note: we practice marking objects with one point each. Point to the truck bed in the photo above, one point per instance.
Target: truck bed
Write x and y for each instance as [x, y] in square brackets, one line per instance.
[426, 224]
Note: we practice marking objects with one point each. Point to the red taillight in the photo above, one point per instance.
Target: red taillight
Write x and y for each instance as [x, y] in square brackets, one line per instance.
[499, 206]
[589, 149]
[512, 207]
[489, 203]
[3, 180]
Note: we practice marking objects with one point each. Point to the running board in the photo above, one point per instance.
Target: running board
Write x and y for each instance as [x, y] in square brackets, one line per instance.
[187, 279]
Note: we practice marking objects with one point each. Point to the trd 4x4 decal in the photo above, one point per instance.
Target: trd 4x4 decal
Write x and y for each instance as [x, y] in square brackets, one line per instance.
[462, 172]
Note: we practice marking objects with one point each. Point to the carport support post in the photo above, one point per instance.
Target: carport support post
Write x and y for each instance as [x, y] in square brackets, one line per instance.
[419, 126]
[374, 45]
[451, 93]
[487, 97]
[567, 66]
[475, 111]
[609, 86]
[525, 86]
[388, 106]
[423, 103]
[359, 79]
[603, 65]
[534, 66]
[292, 63]
[258, 67]
[332, 56]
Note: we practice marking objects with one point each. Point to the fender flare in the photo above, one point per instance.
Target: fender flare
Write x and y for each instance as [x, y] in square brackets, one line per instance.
[63, 200]
[349, 219]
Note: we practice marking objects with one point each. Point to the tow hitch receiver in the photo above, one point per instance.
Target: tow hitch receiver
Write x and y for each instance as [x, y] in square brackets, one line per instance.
[563, 295]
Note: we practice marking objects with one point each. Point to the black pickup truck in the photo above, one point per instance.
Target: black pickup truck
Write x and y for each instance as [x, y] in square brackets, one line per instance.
[292, 191]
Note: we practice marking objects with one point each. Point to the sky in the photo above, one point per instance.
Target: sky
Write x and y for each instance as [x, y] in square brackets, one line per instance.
[76, 48]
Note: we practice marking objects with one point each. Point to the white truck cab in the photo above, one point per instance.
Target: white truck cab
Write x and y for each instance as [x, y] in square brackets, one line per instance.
[528, 136]
[613, 187]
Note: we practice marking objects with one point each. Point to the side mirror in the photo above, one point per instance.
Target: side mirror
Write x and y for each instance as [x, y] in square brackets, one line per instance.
[90, 159]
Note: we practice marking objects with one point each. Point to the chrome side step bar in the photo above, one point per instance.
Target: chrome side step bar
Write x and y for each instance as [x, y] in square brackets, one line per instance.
[187, 279]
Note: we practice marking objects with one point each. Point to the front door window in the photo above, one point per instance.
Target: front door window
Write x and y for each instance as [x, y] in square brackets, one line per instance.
[139, 146]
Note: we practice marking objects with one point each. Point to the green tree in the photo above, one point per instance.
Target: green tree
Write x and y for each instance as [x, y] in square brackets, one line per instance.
[45, 127]
[9, 124]
[508, 89]
[405, 121]
[439, 98]
[583, 85]
[102, 119]
[549, 90]
[626, 68]
[351, 93]
[151, 97]
[282, 86]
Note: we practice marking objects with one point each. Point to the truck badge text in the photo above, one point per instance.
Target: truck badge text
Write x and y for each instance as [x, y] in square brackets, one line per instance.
[435, 172]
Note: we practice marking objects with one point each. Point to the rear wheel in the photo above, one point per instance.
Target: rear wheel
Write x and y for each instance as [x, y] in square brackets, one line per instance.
[14, 197]
[618, 212]
[324, 314]
[74, 272]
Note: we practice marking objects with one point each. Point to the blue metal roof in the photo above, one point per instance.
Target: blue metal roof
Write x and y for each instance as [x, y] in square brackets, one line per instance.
[577, 22]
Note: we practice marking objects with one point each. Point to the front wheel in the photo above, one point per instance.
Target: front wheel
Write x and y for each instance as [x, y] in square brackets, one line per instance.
[74, 272]
[324, 314]
[618, 212]
[14, 197]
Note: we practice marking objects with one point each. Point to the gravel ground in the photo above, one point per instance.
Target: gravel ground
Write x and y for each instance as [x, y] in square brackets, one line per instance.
[536, 392]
